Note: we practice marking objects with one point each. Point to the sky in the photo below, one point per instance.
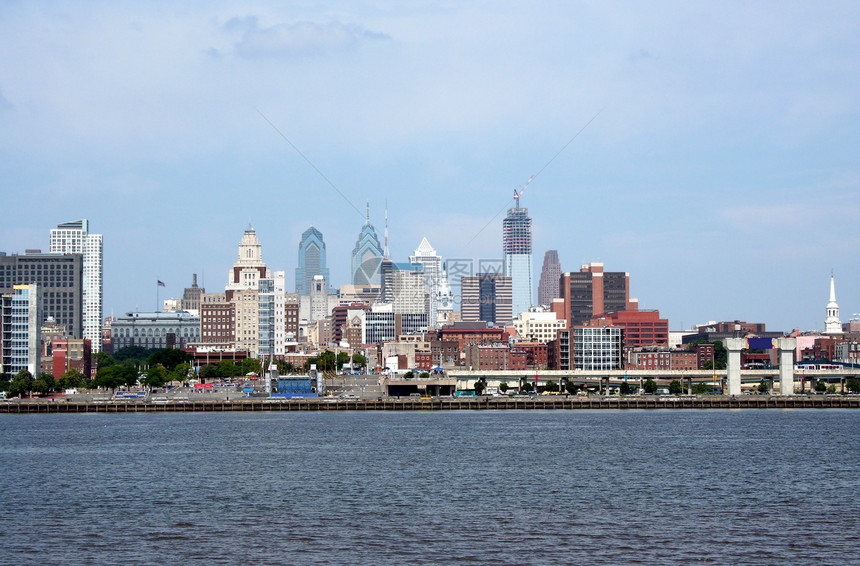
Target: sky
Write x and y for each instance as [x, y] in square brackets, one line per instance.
[719, 165]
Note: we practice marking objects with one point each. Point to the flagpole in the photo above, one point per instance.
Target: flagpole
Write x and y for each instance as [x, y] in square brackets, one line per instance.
[157, 294]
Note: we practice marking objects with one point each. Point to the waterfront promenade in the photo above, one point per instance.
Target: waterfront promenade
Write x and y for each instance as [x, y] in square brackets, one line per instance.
[554, 402]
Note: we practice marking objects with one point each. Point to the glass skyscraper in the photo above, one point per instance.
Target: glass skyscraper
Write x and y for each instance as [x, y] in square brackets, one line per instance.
[367, 256]
[517, 247]
[311, 260]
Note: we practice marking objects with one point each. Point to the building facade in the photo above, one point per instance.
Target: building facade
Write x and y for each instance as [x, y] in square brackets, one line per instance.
[21, 330]
[541, 327]
[598, 348]
[191, 297]
[75, 238]
[217, 322]
[155, 330]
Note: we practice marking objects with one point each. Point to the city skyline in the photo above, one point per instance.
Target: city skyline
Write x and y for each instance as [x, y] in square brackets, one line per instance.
[722, 162]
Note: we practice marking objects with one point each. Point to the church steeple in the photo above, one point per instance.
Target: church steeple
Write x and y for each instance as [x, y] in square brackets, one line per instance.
[832, 324]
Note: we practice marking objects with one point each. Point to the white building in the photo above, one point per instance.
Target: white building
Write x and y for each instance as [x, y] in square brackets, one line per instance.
[542, 327]
[832, 324]
[74, 238]
[155, 330]
[21, 325]
[432, 263]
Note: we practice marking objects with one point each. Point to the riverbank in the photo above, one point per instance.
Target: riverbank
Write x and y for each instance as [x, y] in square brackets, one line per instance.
[437, 404]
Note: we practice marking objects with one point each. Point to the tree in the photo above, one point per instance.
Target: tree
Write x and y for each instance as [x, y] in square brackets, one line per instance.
[527, 386]
[168, 357]
[155, 377]
[763, 387]
[5, 380]
[820, 386]
[551, 386]
[650, 386]
[103, 360]
[21, 383]
[625, 388]
[44, 383]
[480, 386]
[181, 373]
[134, 353]
[700, 388]
[227, 368]
[70, 379]
[250, 365]
[503, 387]
[115, 376]
[853, 385]
[408, 375]
[425, 375]
[675, 387]
[571, 387]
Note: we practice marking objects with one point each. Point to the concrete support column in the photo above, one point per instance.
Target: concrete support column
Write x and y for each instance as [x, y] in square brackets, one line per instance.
[785, 348]
[733, 364]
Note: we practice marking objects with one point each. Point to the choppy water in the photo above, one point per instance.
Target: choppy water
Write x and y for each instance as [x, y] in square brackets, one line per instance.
[554, 487]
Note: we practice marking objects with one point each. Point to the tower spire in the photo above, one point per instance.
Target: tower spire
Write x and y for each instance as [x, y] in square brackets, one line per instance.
[367, 214]
[832, 324]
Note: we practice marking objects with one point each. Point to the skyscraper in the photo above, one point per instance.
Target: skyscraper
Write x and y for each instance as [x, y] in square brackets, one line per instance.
[366, 255]
[486, 297]
[74, 238]
[517, 247]
[311, 260]
[549, 276]
[427, 256]
[243, 288]
[592, 292]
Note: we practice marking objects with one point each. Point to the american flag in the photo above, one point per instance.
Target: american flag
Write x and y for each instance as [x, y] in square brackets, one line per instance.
[161, 283]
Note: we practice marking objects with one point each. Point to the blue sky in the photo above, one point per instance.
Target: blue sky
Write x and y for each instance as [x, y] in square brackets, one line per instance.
[722, 171]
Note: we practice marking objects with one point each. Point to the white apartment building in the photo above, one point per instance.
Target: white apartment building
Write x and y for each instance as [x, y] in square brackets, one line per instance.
[74, 238]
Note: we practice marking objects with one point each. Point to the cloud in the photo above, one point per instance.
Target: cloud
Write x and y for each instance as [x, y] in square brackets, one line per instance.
[296, 39]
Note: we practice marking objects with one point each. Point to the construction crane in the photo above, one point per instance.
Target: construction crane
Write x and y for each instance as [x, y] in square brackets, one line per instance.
[517, 195]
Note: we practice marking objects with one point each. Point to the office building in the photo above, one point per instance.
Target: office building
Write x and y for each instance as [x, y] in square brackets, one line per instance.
[243, 284]
[21, 330]
[60, 280]
[154, 330]
[597, 348]
[486, 297]
[431, 262]
[75, 238]
[593, 292]
[517, 247]
[549, 277]
[312, 260]
[366, 256]
[403, 286]
[217, 322]
[540, 327]
[191, 297]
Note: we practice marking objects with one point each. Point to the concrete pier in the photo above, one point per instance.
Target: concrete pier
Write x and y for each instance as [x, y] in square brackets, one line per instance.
[549, 402]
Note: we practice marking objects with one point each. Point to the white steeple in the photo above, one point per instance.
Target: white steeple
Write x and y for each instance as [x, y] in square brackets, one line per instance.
[832, 324]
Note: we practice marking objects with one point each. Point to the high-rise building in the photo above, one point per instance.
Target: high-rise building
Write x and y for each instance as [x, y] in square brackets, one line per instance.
[832, 324]
[598, 348]
[243, 285]
[444, 302]
[311, 260]
[403, 286]
[366, 256]
[486, 297]
[432, 264]
[517, 247]
[74, 238]
[592, 292]
[20, 330]
[59, 277]
[191, 296]
[549, 277]
[217, 322]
